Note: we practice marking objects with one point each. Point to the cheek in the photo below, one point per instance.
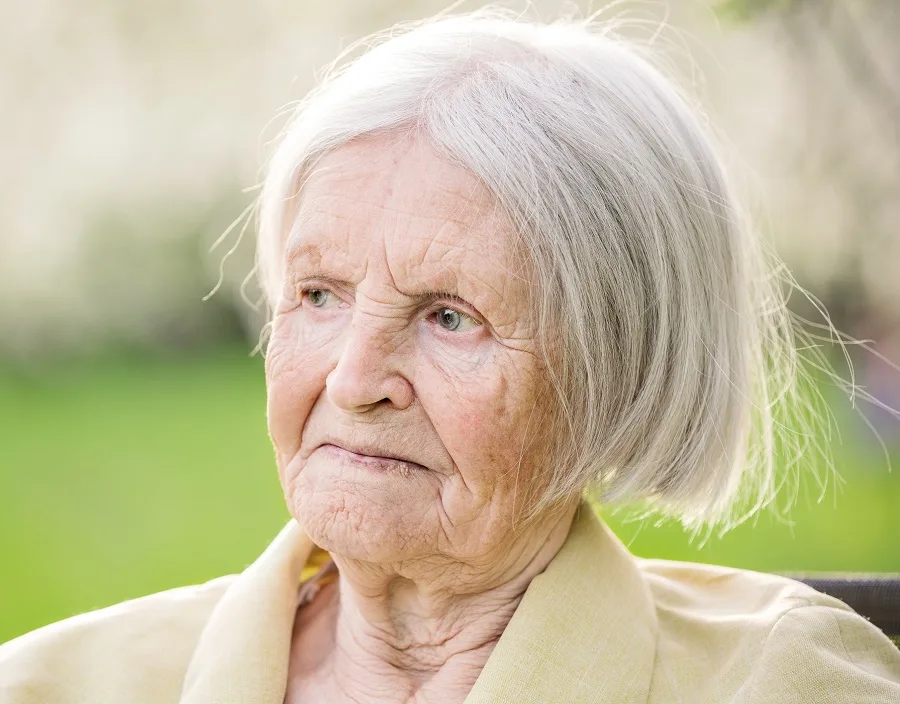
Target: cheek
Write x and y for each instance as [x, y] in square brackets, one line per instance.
[486, 422]
[295, 376]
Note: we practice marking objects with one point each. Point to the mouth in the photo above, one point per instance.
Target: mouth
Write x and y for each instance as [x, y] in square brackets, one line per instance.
[371, 459]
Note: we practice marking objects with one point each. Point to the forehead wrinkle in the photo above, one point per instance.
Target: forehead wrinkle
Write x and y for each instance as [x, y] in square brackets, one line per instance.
[485, 240]
[326, 180]
[329, 180]
[319, 257]
[380, 201]
[314, 219]
[464, 226]
[292, 245]
[295, 210]
[496, 300]
[479, 251]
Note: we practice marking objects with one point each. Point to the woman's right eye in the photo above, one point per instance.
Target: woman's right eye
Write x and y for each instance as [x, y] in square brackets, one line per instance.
[320, 297]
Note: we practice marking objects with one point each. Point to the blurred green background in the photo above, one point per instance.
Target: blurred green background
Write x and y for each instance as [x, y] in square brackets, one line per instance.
[133, 447]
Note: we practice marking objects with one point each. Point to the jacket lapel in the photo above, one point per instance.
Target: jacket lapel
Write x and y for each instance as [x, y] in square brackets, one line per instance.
[585, 631]
[242, 654]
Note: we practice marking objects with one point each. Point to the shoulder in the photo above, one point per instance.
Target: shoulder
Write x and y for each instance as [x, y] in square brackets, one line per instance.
[744, 636]
[134, 651]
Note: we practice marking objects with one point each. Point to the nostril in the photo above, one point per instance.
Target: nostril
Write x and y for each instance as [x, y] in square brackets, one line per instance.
[361, 382]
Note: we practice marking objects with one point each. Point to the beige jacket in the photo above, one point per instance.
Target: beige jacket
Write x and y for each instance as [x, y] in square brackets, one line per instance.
[598, 625]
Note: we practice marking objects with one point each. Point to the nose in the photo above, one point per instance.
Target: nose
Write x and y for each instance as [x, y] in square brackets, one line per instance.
[367, 375]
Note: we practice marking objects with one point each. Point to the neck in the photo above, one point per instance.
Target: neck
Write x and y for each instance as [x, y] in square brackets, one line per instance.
[415, 646]
[418, 632]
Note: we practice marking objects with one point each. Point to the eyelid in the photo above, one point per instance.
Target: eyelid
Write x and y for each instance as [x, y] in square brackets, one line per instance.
[436, 300]
[449, 300]
[323, 284]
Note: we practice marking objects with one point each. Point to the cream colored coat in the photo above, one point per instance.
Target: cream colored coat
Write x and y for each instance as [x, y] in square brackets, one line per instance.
[599, 625]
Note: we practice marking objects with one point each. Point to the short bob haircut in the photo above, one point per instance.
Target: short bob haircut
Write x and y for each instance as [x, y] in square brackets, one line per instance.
[664, 329]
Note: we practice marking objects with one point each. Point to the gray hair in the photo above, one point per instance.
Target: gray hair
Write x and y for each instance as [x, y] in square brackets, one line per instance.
[676, 363]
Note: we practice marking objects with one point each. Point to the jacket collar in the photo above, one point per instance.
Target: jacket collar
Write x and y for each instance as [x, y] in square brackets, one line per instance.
[242, 653]
[585, 630]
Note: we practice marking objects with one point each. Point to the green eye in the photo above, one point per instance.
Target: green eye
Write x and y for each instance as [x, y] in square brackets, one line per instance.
[318, 297]
[449, 318]
[453, 320]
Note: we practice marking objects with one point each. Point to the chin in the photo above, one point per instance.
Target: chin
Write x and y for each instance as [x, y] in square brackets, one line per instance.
[376, 519]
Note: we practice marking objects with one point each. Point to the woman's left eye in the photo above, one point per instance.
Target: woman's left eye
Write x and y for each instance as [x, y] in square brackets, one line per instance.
[454, 321]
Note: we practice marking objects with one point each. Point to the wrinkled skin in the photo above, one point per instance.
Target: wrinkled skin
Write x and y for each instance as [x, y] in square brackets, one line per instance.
[406, 331]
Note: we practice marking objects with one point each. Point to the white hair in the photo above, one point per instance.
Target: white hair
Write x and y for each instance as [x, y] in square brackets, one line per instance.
[677, 365]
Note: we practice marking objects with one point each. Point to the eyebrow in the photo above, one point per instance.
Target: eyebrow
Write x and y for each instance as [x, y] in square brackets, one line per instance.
[420, 298]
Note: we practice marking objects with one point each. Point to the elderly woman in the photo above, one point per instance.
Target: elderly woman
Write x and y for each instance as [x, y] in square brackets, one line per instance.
[506, 273]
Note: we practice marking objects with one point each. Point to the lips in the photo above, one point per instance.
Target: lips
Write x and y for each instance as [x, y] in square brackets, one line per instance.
[368, 454]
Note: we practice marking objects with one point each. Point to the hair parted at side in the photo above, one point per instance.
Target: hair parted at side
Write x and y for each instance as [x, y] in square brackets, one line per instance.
[674, 361]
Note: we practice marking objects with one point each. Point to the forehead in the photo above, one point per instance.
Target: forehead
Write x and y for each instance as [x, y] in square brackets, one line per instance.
[431, 224]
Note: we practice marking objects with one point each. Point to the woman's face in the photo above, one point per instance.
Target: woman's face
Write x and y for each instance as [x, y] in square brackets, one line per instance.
[405, 395]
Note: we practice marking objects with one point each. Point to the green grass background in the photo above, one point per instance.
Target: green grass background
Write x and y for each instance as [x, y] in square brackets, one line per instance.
[123, 477]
